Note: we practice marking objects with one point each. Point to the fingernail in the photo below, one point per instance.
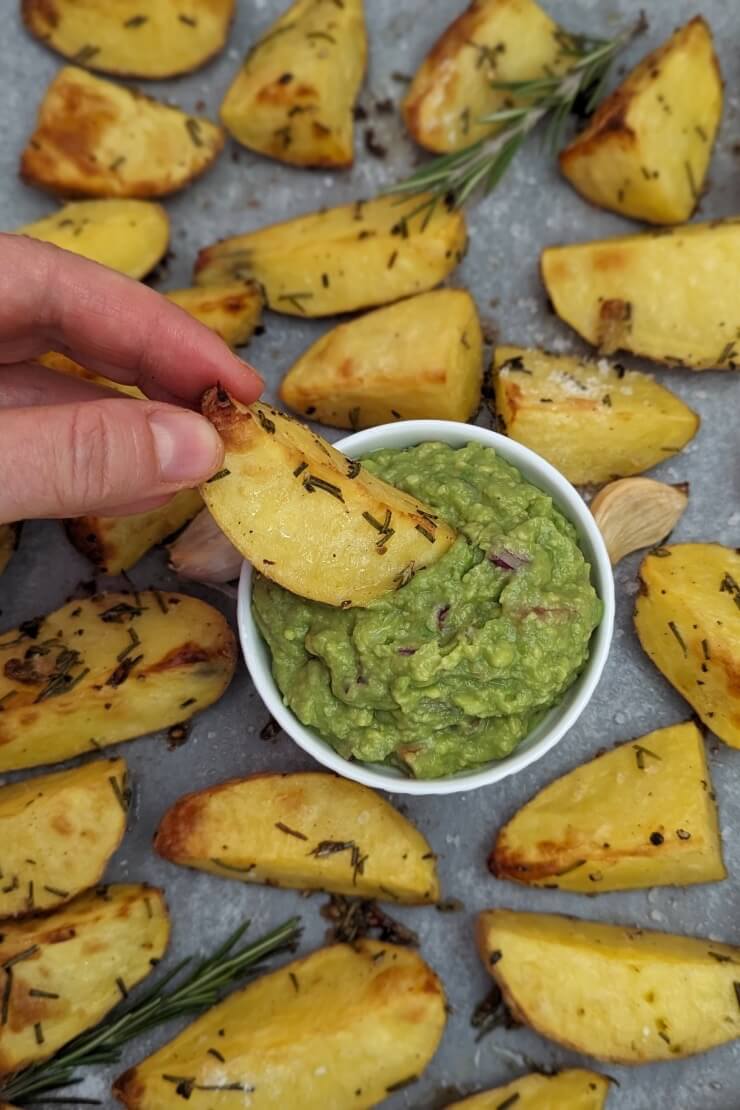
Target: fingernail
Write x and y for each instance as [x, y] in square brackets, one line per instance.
[188, 447]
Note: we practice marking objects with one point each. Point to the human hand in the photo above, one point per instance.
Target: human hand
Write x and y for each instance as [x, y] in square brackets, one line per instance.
[69, 447]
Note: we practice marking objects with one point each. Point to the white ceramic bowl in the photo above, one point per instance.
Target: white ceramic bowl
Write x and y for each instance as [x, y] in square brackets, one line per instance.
[557, 722]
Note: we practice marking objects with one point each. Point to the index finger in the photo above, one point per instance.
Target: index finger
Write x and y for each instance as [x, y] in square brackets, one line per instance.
[53, 299]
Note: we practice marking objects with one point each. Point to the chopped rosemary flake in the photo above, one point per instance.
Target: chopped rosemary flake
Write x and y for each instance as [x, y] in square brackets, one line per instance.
[294, 981]
[736, 988]
[158, 597]
[267, 424]
[571, 867]
[312, 483]
[19, 957]
[353, 468]
[218, 1056]
[509, 1101]
[401, 1084]
[122, 792]
[224, 473]
[295, 299]
[122, 987]
[404, 577]
[56, 891]
[123, 670]
[721, 958]
[85, 54]
[641, 752]
[60, 680]
[373, 522]
[730, 586]
[193, 129]
[679, 637]
[230, 867]
[270, 731]
[134, 643]
[354, 918]
[299, 469]
[38, 1032]
[36, 992]
[188, 20]
[5, 1003]
[12, 885]
[426, 533]
[136, 21]
[117, 613]
[490, 1013]
[705, 649]
[392, 260]
[290, 832]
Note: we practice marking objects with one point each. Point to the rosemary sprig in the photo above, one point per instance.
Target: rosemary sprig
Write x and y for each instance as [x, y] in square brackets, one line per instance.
[478, 168]
[195, 993]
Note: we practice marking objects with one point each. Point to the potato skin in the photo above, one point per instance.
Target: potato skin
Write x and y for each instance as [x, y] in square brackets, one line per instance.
[593, 421]
[686, 617]
[355, 256]
[232, 310]
[334, 549]
[116, 543]
[668, 295]
[646, 149]
[121, 39]
[98, 139]
[419, 359]
[183, 661]
[288, 818]
[130, 236]
[293, 96]
[616, 993]
[361, 1019]
[83, 956]
[69, 824]
[640, 815]
[493, 40]
[9, 537]
[572, 1089]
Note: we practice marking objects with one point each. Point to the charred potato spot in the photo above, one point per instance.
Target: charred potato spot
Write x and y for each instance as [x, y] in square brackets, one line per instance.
[422, 358]
[292, 99]
[372, 992]
[122, 665]
[95, 138]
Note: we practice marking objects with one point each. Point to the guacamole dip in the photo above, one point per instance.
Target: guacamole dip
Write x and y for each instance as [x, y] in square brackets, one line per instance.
[456, 667]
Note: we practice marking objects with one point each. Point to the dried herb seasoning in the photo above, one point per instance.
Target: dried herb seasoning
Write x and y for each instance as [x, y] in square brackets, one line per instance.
[122, 671]
[188, 20]
[267, 424]
[640, 753]
[312, 482]
[193, 129]
[295, 299]
[270, 731]
[121, 791]
[177, 735]
[134, 641]
[136, 21]
[490, 1014]
[223, 473]
[730, 586]
[352, 919]
[510, 1101]
[426, 533]
[401, 1083]
[85, 54]
[290, 832]
[674, 629]
[353, 467]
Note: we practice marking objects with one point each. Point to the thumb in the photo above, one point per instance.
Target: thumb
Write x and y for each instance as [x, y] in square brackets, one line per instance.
[95, 456]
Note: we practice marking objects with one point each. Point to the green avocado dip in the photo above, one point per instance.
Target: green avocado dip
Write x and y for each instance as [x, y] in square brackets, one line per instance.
[456, 667]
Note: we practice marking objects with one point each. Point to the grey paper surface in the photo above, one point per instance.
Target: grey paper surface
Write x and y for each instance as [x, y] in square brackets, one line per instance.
[532, 207]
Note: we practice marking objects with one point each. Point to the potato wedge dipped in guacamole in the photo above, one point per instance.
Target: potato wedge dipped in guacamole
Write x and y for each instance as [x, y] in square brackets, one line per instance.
[456, 667]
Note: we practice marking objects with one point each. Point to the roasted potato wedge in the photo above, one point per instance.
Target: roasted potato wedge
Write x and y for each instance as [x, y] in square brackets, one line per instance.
[573, 1089]
[130, 236]
[292, 98]
[9, 536]
[419, 359]
[311, 831]
[493, 40]
[341, 259]
[97, 139]
[116, 543]
[373, 1012]
[161, 38]
[642, 814]
[686, 616]
[65, 365]
[610, 991]
[60, 974]
[593, 421]
[667, 295]
[233, 310]
[57, 833]
[307, 516]
[646, 150]
[109, 668]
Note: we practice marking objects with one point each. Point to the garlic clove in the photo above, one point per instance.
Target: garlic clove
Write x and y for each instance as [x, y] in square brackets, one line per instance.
[637, 512]
[203, 553]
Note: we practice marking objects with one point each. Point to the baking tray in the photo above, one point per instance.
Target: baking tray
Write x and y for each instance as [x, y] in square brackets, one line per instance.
[531, 208]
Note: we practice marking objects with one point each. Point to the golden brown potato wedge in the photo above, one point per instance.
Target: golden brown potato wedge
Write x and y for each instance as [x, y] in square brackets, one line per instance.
[109, 668]
[116, 543]
[98, 139]
[9, 536]
[343, 1026]
[130, 236]
[159, 38]
[646, 150]
[57, 833]
[573, 1089]
[341, 259]
[642, 814]
[311, 831]
[610, 991]
[493, 40]
[419, 359]
[687, 620]
[292, 98]
[65, 365]
[667, 295]
[307, 516]
[60, 974]
[592, 420]
[232, 310]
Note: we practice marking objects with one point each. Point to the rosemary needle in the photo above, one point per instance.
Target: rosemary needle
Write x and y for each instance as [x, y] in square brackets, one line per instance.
[196, 992]
[478, 168]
